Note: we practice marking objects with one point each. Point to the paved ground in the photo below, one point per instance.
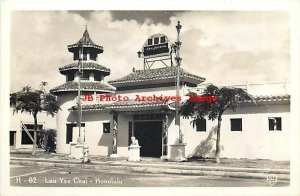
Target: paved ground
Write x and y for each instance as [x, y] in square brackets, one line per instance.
[245, 163]
[33, 176]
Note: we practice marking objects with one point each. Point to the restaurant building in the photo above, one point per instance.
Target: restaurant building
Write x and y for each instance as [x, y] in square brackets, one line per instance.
[142, 104]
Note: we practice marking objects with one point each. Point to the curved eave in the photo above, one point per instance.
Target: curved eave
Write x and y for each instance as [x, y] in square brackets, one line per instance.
[64, 71]
[86, 65]
[124, 108]
[82, 90]
[75, 47]
[72, 86]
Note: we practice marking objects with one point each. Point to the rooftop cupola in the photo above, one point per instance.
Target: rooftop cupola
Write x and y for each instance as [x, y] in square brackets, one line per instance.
[90, 73]
[86, 47]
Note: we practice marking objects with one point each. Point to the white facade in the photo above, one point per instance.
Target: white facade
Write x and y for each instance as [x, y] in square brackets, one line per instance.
[16, 120]
[254, 141]
[108, 125]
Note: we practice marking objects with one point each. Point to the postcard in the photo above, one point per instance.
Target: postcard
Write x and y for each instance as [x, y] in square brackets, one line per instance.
[157, 98]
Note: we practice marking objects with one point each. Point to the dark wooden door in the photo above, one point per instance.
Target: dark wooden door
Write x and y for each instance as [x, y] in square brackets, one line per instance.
[148, 134]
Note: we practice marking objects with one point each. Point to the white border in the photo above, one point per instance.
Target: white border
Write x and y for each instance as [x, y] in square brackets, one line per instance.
[291, 6]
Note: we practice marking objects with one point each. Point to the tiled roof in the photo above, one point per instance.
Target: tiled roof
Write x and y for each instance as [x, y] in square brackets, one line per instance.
[122, 105]
[167, 105]
[261, 98]
[156, 74]
[86, 41]
[85, 86]
[85, 66]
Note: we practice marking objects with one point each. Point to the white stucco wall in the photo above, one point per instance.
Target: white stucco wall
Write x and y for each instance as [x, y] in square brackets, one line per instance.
[15, 124]
[63, 117]
[101, 143]
[254, 141]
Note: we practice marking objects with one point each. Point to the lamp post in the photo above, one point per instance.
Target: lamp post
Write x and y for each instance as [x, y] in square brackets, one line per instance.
[139, 53]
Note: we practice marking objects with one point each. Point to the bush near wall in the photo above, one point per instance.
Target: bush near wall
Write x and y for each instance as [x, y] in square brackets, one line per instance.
[47, 140]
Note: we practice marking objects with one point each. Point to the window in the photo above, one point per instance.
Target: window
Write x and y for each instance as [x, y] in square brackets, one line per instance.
[106, 127]
[97, 77]
[84, 56]
[85, 76]
[69, 131]
[25, 139]
[156, 40]
[201, 124]
[149, 42]
[70, 77]
[163, 39]
[275, 124]
[93, 56]
[76, 56]
[236, 124]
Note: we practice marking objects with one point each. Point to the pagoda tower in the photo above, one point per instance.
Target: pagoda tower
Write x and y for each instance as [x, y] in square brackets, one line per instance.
[83, 76]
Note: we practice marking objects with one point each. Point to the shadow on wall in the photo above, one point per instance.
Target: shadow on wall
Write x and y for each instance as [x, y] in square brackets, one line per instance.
[107, 141]
[207, 147]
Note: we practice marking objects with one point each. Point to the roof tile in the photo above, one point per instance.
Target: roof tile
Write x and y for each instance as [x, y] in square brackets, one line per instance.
[85, 66]
[155, 74]
[85, 86]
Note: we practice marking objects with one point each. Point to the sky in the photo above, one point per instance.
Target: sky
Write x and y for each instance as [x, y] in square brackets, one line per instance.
[225, 47]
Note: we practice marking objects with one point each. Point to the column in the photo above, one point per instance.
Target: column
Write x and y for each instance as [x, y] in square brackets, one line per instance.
[115, 135]
[165, 125]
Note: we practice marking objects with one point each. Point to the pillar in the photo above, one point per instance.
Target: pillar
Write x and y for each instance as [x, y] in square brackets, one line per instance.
[165, 125]
[115, 136]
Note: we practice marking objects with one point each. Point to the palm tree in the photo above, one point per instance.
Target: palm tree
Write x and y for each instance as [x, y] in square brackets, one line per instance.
[34, 101]
[227, 98]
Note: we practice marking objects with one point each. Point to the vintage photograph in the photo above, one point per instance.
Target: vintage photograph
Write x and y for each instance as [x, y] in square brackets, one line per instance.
[150, 98]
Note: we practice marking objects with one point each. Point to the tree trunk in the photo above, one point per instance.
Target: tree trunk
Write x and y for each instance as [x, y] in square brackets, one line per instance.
[34, 134]
[218, 147]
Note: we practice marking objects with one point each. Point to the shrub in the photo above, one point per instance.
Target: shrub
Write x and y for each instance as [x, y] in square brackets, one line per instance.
[47, 140]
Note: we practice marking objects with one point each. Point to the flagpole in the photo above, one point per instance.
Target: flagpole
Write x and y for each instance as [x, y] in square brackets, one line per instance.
[79, 92]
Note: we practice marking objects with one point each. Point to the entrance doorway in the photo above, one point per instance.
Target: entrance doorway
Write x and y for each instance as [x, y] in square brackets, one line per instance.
[148, 133]
[12, 138]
